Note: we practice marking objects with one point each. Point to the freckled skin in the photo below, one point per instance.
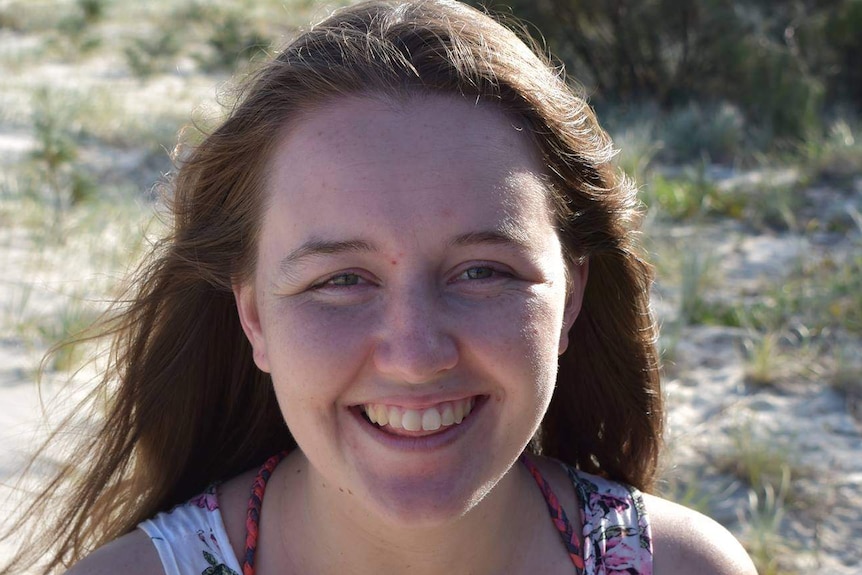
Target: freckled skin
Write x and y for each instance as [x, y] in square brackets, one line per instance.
[417, 313]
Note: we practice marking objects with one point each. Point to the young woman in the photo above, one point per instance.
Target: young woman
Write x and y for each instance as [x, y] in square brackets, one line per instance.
[402, 279]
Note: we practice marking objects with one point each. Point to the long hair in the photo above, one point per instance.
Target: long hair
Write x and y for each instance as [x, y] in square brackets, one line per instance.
[185, 403]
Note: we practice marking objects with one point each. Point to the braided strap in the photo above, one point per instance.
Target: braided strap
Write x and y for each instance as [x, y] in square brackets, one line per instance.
[558, 514]
[255, 502]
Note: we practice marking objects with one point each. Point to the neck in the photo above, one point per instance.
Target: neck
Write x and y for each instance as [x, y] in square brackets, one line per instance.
[337, 534]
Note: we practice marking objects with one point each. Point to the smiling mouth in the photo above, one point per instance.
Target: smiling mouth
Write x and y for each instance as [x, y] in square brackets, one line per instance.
[399, 420]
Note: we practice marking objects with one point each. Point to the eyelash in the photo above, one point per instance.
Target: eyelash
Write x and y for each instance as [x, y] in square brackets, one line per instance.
[330, 281]
[494, 273]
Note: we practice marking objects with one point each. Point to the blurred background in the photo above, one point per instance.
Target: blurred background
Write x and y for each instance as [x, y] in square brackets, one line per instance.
[739, 121]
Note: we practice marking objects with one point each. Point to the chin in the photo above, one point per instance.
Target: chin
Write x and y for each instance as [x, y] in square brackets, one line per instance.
[424, 502]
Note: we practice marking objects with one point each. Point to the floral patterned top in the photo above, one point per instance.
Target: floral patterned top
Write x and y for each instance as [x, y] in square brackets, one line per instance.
[191, 538]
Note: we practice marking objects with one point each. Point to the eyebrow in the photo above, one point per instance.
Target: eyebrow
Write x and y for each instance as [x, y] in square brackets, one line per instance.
[505, 236]
[322, 247]
[318, 247]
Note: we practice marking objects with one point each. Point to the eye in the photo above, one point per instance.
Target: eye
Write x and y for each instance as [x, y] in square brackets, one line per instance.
[483, 272]
[341, 280]
[344, 280]
[478, 273]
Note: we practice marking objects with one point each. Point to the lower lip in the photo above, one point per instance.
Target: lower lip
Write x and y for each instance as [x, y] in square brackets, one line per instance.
[445, 436]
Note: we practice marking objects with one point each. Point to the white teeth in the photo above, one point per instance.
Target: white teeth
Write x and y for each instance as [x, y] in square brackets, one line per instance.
[393, 415]
[428, 419]
[411, 420]
[447, 417]
[458, 411]
[431, 419]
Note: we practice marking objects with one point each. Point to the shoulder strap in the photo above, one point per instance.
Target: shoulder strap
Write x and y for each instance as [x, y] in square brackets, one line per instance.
[558, 515]
[255, 502]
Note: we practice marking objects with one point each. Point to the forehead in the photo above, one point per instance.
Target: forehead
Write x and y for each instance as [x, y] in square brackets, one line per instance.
[387, 162]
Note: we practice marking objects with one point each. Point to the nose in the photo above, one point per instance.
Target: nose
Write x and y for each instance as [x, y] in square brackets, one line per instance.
[415, 342]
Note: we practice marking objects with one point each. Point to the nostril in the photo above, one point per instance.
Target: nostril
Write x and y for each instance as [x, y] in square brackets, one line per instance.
[415, 359]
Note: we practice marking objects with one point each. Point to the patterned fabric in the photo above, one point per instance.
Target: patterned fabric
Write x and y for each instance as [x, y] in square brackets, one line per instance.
[617, 536]
[191, 539]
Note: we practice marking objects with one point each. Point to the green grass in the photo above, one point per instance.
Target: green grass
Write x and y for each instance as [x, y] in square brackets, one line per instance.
[15, 310]
[826, 292]
[92, 10]
[677, 198]
[845, 376]
[233, 40]
[61, 329]
[834, 156]
[670, 335]
[56, 146]
[32, 16]
[102, 233]
[840, 294]
[762, 522]
[697, 274]
[818, 294]
[760, 463]
[687, 488]
[692, 197]
[219, 37]
[769, 206]
[153, 53]
[765, 362]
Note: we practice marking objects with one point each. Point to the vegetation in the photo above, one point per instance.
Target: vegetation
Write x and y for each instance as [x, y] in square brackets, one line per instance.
[763, 519]
[56, 152]
[776, 64]
[153, 53]
[759, 462]
[232, 41]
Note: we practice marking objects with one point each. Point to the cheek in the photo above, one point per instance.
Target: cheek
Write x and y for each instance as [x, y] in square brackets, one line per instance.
[541, 334]
[521, 341]
[542, 322]
[312, 350]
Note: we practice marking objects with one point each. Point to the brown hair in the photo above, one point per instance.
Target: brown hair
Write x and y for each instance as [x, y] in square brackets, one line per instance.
[187, 405]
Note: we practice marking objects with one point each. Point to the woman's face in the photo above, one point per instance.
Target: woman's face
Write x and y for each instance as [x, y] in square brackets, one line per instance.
[410, 299]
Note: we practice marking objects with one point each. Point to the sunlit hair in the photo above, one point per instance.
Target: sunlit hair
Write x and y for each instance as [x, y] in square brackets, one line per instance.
[186, 404]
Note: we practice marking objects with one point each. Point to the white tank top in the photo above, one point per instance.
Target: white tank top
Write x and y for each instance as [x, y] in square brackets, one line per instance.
[191, 538]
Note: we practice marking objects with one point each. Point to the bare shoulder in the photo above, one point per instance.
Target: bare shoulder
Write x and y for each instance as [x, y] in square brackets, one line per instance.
[131, 554]
[685, 541]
